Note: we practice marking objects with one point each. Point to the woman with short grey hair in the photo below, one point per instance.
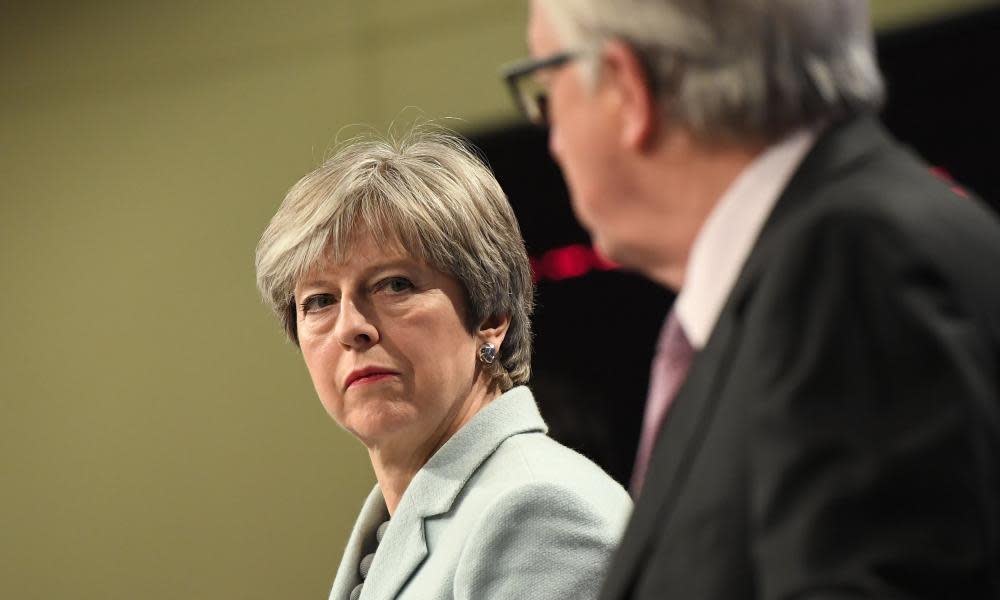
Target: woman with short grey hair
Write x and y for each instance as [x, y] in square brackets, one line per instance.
[398, 269]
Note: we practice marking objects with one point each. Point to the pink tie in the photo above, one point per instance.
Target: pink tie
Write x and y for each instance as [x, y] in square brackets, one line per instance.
[670, 367]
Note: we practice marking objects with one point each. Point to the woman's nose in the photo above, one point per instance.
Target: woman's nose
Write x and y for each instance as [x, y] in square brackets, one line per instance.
[354, 328]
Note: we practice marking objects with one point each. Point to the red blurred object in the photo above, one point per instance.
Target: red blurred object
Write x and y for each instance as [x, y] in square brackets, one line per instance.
[568, 262]
[943, 174]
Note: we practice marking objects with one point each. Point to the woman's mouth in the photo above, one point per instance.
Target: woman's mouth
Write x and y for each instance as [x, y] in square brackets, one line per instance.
[368, 375]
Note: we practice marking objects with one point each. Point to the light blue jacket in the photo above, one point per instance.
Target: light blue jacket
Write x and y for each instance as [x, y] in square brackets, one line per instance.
[501, 511]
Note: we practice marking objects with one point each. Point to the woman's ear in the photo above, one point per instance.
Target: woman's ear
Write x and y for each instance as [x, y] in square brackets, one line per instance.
[493, 330]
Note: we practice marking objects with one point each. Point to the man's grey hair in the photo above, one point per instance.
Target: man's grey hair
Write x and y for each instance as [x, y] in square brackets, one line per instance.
[738, 69]
[429, 192]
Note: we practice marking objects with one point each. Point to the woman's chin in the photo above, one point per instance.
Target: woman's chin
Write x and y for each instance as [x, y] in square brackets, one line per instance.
[376, 425]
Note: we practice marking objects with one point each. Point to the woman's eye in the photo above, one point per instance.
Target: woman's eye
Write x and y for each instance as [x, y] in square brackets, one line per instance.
[317, 302]
[396, 285]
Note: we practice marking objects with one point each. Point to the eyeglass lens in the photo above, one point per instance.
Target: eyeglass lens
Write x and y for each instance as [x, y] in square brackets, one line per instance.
[534, 99]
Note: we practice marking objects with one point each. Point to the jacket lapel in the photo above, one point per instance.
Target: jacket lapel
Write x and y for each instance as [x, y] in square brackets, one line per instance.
[401, 551]
[373, 513]
[435, 487]
[677, 443]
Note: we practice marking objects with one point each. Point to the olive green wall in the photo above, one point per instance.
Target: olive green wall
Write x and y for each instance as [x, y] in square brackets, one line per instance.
[891, 14]
[158, 439]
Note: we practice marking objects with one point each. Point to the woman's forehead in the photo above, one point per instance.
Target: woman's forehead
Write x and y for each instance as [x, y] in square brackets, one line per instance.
[388, 237]
[362, 252]
[371, 243]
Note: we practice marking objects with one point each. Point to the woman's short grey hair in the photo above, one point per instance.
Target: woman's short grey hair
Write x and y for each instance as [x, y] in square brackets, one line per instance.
[430, 193]
[740, 69]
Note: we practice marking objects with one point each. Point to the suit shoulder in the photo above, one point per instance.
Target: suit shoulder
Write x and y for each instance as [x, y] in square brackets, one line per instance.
[892, 190]
[534, 537]
[534, 466]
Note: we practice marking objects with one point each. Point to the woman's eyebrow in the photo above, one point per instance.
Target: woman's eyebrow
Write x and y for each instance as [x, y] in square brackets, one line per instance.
[312, 282]
[323, 279]
[393, 263]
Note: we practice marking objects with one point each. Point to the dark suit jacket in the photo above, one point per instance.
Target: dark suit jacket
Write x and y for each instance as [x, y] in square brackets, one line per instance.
[839, 434]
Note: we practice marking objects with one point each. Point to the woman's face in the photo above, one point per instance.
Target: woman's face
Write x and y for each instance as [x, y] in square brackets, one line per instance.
[384, 340]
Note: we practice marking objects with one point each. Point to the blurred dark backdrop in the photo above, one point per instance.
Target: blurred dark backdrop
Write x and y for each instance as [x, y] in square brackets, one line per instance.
[594, 334]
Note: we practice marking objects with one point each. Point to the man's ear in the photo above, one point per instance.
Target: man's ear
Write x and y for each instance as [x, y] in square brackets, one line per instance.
[637, 105]
[493, 330]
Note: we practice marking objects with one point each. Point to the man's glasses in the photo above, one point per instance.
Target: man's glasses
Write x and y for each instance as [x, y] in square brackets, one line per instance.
[529, 93]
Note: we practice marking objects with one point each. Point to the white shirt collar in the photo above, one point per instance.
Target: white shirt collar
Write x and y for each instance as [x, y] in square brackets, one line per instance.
[729, 234]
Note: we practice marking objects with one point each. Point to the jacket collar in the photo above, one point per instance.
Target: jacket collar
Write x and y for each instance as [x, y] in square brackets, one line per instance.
[435, 487]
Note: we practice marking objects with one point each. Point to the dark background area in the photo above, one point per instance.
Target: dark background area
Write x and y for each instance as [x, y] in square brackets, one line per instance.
[594, 334]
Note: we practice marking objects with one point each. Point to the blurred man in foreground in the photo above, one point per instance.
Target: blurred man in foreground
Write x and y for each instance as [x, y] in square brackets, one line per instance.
[824, 416]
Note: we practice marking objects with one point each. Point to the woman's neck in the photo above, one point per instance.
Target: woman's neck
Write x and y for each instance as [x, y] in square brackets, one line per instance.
[396, 461]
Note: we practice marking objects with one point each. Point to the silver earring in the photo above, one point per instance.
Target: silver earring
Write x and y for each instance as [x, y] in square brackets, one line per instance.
[487, 353]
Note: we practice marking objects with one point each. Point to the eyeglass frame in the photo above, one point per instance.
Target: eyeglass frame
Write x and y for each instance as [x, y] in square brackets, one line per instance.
[516, 72]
